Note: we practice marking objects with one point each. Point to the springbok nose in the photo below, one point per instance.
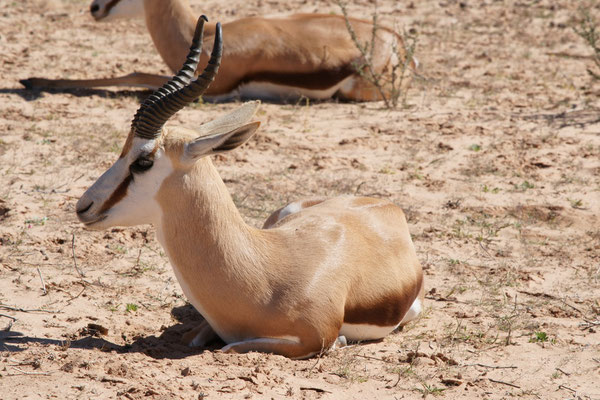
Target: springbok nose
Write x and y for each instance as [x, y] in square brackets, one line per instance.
[94, 8]
[81, 208]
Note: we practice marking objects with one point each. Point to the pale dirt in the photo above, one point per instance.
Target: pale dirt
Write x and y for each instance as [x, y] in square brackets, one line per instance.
[509, 235]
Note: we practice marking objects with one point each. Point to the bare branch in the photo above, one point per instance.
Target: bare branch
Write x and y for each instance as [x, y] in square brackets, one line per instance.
[389, 81]
[42, 279]
[81, 274]
[589, 32]
[504, 383]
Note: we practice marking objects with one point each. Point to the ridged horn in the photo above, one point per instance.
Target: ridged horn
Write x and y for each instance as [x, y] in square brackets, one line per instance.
[181, 90]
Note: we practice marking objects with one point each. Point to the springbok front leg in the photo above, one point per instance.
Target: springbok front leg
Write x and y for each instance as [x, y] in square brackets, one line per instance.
[136, 79]
[200, 336]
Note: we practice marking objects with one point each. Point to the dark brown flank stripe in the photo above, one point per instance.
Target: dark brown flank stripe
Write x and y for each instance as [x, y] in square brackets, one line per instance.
[110, 5]
[118, 194]
[317, 80]
[388, 311]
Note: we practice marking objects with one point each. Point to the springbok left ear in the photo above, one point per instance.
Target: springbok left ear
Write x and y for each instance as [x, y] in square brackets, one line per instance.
[220, 142]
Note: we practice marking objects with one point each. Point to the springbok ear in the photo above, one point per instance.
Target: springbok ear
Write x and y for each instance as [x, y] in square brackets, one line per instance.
[219, 142]
[231, 121]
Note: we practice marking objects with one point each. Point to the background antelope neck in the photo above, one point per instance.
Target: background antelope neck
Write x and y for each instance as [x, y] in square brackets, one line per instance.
[171, 24]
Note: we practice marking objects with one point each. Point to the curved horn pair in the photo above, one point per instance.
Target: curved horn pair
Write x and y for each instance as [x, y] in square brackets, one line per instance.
[180, 91]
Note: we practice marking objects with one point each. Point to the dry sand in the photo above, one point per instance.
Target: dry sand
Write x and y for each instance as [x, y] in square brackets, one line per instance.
[495, 159]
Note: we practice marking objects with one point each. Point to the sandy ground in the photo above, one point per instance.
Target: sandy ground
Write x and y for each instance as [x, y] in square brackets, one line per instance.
[495, 159]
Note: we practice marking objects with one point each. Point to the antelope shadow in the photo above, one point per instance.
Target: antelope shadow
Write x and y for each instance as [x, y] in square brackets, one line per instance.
[142, 94]
[167, 345]
[34, 94]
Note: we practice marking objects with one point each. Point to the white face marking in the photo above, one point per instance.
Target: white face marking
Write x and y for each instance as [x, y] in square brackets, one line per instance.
[139, 205]
[118, 9]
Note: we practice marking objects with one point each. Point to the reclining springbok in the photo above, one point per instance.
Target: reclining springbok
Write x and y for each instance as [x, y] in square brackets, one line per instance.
[318, 270]
[310, 55]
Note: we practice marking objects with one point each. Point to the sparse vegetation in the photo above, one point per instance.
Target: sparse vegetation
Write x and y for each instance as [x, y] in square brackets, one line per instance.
[539, 337]
[390, 82]
[588, 30]
[487, 189]
[39, 221]
[576, 203]
[508, 236]
[430, 389]
[525, 185]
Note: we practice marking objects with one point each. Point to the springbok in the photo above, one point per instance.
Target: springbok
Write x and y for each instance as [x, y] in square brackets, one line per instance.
[318, 270]
[310, 55]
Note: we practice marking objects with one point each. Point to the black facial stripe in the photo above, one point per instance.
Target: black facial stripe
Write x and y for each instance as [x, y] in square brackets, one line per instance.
[118, 194]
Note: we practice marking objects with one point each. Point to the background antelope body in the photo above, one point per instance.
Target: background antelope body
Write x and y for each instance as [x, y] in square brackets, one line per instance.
[320, 268]
[310, 55]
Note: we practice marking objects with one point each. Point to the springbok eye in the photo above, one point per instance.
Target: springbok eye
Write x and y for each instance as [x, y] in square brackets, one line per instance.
[141, 164]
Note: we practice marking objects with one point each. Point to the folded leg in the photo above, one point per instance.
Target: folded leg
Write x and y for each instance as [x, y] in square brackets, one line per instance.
[199, 336]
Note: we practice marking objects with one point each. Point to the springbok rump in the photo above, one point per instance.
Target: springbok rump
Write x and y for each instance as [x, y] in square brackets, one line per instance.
[318, 270]
[311, 55]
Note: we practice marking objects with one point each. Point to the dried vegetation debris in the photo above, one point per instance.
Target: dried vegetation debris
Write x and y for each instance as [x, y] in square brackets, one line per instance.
[495, 159]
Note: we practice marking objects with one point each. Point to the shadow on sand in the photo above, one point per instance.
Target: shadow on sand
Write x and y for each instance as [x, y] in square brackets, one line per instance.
[142, 94]
[167, 345]
[34, 94]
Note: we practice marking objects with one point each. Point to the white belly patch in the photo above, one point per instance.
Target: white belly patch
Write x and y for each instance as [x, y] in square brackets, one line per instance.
[413, 312]
[356, 332]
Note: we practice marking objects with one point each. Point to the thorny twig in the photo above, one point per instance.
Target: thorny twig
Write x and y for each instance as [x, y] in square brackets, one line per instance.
[485, 250]
[81, 274]
[372, 77]
[365, 68]
[42, 279]
[491, 366]
[7, 307]
[504, 383]
[589, 32]
[568, 388]
[588, 324]
[373, 358]
[71, 297]
[573, 307]
[31, 373]
[10, 324]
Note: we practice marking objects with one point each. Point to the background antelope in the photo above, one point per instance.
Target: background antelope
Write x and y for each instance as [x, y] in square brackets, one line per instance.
[310, 55]
[318, 269]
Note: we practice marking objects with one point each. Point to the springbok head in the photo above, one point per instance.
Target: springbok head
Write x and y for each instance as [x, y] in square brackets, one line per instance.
[106, 10]
[125, 194]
